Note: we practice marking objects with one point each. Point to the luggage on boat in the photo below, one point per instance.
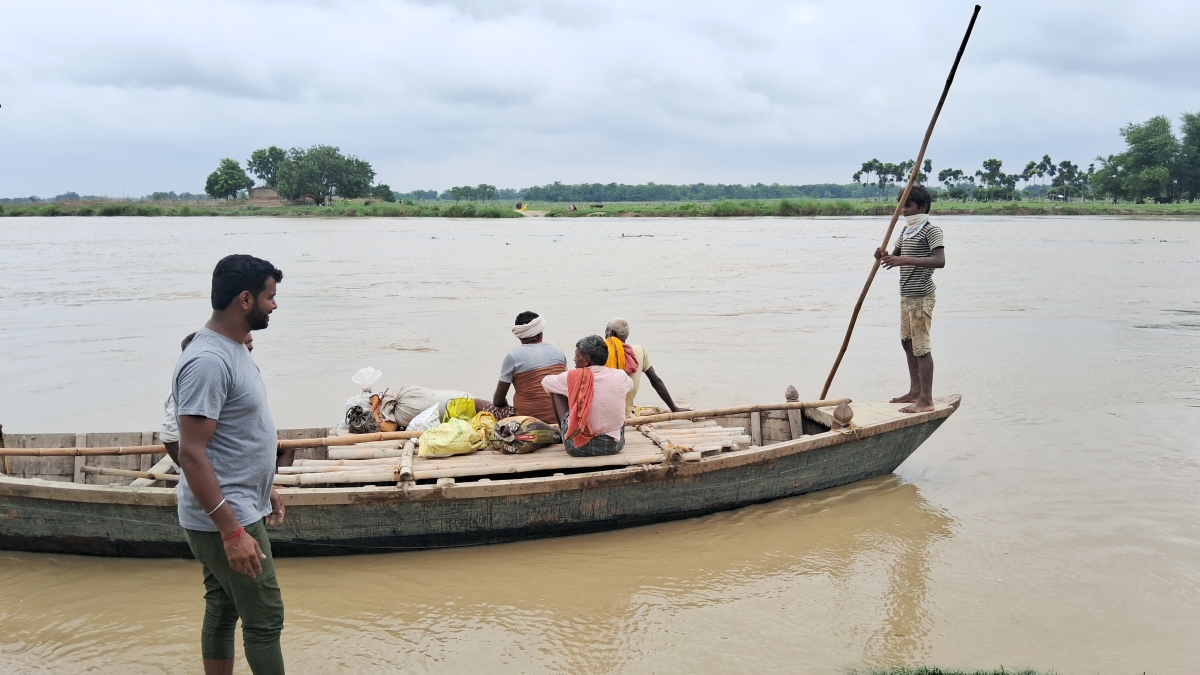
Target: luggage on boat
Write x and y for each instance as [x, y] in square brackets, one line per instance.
[426, 419]
[360, 420]
[358, 416]
[521, 434]
[411, 400]
[485, 425]
[456, 437]
[459, 408]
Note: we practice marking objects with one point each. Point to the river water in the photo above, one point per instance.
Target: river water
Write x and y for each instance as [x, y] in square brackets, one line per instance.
[1053, 522]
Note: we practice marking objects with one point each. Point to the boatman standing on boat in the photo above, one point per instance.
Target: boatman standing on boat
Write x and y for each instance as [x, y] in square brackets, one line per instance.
[227, 449]
[618, 329]
[525, 367]
[919, 251]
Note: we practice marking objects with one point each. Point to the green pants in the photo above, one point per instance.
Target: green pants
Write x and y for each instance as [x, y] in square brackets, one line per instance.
[229, 596]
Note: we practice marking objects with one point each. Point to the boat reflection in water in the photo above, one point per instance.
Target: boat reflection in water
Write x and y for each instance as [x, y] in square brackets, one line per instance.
[665, 596]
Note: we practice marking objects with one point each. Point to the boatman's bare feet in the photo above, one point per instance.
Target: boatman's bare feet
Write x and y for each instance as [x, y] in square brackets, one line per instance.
[910, 397]
[918, 407]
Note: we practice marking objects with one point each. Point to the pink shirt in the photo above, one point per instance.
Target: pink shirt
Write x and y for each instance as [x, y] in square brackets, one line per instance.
[608, 400]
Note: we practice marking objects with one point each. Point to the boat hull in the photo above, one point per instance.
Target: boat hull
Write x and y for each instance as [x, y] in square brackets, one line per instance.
[51, 517]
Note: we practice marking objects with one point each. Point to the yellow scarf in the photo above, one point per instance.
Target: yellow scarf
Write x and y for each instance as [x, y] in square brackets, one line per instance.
[616, 353]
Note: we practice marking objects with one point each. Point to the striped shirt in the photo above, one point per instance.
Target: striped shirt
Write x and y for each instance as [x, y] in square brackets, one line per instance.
[918, 280]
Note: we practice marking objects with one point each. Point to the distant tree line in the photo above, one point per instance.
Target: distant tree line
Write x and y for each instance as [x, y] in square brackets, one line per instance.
[76, 197]
[1156, 166]
[320, 173]
[656, 192]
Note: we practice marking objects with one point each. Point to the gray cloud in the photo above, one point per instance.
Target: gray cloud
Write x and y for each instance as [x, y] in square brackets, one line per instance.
[131, 98]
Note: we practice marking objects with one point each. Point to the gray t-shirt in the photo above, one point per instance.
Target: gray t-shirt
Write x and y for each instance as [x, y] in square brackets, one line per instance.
[530, 357]
[217, 379]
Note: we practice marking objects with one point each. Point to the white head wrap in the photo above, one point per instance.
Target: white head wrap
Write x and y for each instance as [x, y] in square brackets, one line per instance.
[531, 329]
[915, 223]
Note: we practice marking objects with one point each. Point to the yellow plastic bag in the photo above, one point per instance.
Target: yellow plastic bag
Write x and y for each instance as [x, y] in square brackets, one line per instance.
[456, 437]
[484, 424]
[459, 408]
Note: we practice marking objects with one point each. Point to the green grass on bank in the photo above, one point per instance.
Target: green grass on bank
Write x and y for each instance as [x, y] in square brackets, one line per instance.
[931, 670]
[721, 209]
[357, 208]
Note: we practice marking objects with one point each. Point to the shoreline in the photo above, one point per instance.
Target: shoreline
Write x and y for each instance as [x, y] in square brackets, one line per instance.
[685, 210]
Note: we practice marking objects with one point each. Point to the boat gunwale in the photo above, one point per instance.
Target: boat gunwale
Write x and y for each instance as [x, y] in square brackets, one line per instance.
[37, 488]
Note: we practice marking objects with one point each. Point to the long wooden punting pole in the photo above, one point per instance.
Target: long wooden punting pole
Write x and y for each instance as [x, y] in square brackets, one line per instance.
[912, 178]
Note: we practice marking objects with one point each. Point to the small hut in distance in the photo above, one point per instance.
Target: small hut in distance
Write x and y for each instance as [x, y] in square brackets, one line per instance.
[263, 194]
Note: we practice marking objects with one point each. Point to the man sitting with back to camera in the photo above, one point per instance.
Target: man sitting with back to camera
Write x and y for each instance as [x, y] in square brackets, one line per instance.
[524, 368]
[590, 401]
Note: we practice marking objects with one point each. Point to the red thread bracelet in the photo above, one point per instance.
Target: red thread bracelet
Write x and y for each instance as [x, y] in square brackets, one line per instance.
[235, 535]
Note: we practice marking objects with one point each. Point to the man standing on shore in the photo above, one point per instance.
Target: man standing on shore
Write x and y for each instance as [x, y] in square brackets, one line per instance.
[227, 451]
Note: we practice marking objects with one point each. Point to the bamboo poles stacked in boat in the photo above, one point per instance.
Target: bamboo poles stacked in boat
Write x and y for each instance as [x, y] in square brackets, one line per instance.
[706, 438]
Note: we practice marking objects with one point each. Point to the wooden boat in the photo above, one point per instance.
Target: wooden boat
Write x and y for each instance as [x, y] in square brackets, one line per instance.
[85, 504]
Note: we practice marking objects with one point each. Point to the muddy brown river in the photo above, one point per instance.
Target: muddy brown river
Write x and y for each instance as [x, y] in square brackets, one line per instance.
[1052, 523]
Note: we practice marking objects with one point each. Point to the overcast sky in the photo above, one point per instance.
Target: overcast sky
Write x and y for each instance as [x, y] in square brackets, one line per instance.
[125, 98]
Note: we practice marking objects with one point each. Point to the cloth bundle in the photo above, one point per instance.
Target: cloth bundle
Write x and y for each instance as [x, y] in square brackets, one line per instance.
[620, 356]
[521, 434]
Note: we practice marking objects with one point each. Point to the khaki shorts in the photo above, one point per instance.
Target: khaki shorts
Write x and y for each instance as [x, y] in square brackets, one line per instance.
[916, 315]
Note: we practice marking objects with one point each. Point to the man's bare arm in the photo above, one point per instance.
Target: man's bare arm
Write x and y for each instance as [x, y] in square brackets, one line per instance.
[172, 451]
[285, 457]
[500, 398]
[661, 388]
[936, 260]
[561, 406]
[242, 551]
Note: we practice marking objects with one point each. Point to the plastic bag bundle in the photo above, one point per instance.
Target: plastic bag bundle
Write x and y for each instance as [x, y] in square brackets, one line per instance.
[484, 424]
[426, 419]
[360, 421]
[460, 408]
[365, 378]
[521, 434]
[456, 437]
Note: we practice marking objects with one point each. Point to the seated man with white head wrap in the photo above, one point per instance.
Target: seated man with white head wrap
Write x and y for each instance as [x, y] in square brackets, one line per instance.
[619, 328]
[524, 368]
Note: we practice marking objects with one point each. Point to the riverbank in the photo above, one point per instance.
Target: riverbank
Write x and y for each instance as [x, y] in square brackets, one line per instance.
[359, 208]
[240, 207]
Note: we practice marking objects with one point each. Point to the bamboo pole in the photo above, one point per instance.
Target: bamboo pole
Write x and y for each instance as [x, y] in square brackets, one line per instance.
[289, 470]
[686, 424]
[288, 444]
[370, 453]
[150, 475]
[736, 410]
[82, 452]
[912, 178]
[350, 439]
[406, 460]
[345, 462]
[365, 453]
